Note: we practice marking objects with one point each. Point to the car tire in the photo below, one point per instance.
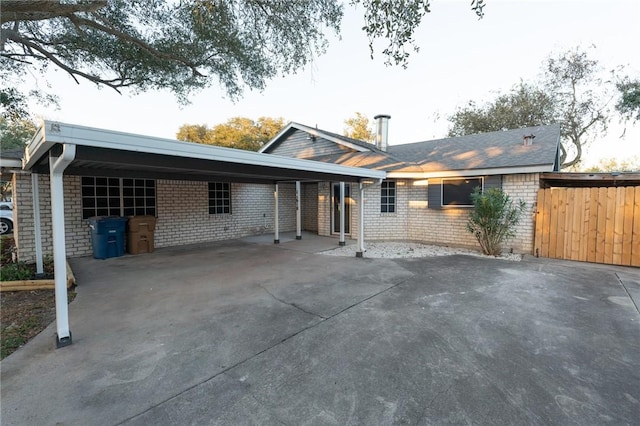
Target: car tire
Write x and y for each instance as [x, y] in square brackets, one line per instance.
[6, 226]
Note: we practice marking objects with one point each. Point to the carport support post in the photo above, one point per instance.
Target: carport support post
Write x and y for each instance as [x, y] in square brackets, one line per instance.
[298, 213]
[56, 169]
[36, 223]
[276, 224]
[360, 251]
[341, 242]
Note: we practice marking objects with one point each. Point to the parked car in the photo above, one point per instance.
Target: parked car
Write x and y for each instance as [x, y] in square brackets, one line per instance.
[6, 217]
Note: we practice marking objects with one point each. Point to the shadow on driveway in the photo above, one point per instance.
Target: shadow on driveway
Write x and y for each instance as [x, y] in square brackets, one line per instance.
[249, 333]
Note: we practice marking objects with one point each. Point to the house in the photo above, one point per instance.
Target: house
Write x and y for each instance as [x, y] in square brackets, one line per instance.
[303, 179]
[426, 193]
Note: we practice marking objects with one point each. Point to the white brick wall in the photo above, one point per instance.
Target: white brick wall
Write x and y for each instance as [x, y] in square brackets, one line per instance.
[183, 214]
[309, 207]
[523, 187]
[182, 209]
[414, 221]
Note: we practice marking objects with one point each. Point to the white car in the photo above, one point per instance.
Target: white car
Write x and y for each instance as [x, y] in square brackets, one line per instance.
[6, 217]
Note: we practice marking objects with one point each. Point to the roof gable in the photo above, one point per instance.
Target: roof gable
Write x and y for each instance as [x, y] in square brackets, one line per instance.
[294, 131]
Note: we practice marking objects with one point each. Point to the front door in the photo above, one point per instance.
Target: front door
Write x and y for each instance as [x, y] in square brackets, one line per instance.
[335, 211]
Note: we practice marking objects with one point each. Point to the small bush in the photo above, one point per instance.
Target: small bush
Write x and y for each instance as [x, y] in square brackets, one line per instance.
[7, 248]
[16, 272]
[493, 219]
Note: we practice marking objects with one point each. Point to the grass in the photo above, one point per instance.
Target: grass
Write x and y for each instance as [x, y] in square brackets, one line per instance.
[24, 314]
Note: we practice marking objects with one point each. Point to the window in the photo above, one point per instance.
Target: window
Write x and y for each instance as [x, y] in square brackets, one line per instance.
[103, 196]
[388, 197]
[457, 192]
[219, 198]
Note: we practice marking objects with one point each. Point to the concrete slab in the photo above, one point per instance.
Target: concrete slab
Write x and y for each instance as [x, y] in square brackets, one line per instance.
[240, 333]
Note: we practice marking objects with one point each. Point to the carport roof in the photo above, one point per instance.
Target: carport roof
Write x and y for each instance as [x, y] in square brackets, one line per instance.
[101, 152]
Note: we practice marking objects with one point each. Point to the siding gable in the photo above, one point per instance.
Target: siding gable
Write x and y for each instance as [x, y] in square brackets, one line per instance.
[300, 144]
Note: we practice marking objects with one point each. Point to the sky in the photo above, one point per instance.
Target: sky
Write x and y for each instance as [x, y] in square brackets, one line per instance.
[461, 58]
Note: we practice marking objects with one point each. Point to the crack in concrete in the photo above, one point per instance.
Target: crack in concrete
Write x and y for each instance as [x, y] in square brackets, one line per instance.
[291, 303]
[627, 291]
[257, 354]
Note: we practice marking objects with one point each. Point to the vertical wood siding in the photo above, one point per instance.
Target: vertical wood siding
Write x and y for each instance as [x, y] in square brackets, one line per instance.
[600, 225]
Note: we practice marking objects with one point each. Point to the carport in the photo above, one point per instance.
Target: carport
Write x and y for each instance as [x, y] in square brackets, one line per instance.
[61, 149]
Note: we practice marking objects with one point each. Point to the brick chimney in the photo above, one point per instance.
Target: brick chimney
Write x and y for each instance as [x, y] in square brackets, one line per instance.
[382, 131]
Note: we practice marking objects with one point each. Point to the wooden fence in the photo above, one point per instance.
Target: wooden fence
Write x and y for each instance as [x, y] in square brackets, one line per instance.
[596, 224]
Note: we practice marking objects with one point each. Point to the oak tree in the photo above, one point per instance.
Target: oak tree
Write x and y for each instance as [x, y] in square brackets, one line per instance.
[359, 127]
[237, 132]
[188, 45]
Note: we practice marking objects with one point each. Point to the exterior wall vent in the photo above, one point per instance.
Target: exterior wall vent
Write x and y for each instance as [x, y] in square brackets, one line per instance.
[528, 139]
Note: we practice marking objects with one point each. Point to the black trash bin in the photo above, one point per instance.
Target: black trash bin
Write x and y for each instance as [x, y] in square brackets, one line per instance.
[107, 236]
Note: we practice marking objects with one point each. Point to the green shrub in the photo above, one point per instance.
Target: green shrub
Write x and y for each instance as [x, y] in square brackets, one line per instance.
[7, 248]
[493, 219]
[16, 272]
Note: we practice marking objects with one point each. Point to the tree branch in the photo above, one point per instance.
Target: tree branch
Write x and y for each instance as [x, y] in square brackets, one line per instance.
[20, 10]
[73, 72]
[78, 21]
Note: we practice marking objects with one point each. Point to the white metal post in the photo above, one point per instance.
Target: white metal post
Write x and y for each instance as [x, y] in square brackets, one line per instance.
[36, 223]
[276, 224]
[298, 212]
[341, 242]
[56, 168]
[360, 251]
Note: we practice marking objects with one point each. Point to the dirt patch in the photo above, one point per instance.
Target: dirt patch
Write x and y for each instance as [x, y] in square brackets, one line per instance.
[24, 314]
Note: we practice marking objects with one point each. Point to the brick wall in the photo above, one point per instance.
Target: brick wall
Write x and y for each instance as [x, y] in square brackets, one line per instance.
[414, 221]
[78, 234]
[183, 214]
[309, 207]
[523, 187]
[182, 209]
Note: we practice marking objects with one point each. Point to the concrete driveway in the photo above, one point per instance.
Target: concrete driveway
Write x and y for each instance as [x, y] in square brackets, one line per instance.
[248, 333]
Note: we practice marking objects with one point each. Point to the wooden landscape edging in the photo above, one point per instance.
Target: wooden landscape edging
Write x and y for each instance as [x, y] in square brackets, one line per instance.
[48, 284]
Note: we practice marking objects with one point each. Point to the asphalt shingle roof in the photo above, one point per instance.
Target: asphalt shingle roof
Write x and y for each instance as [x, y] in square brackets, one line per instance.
[504, 149]
[483, 150]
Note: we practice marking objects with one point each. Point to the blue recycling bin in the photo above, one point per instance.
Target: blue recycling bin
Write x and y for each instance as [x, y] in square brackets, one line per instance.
[107, 236]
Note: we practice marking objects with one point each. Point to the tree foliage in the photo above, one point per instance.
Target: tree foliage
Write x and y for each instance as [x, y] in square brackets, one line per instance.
[15, 133]
[189, 45]
[524, 106]
[571, 92]
[629, 103]
[581, 105]
[493, 218]
[359, 127]
[608, 165]
[237, 132]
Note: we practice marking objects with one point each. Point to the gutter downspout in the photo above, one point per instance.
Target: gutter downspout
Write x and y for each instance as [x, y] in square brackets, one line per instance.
[57, 165]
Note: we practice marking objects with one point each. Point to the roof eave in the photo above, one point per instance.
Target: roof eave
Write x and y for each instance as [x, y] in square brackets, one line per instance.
[472, 172]
[51, 133]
